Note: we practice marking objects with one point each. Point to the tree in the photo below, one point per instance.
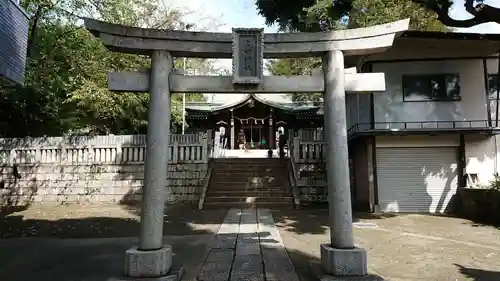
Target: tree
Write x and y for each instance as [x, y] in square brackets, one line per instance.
[66, 74]
[481, 12]
[289, 67]
[318, 15]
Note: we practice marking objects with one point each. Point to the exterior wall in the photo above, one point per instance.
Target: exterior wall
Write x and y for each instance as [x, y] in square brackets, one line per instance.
[358, 110]
[481, 157]
[389, 105]
[13, 43]
[104, 168]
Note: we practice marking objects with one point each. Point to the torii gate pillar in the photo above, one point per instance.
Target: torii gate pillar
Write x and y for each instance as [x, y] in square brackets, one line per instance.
[340, 257]
[151, 258]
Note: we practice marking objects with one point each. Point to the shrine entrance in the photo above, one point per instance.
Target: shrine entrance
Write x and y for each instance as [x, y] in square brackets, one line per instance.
[254, 136]
[254, 119]
[247, 47]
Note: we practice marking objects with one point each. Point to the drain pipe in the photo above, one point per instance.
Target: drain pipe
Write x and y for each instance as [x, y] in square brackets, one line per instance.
[495, 162]
[498, 88]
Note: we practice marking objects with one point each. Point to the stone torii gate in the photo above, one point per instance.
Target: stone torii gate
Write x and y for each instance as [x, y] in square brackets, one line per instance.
[247, 47]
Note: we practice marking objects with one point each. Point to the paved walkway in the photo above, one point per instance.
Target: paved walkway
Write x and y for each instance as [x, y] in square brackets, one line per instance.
[248, 247]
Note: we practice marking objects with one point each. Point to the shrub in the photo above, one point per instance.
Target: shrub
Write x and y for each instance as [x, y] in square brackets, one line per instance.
[494, 184]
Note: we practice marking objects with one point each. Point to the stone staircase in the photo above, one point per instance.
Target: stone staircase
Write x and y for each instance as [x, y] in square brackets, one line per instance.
[249, 183]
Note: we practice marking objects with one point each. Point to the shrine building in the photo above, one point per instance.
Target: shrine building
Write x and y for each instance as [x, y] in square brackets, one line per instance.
[260, 116]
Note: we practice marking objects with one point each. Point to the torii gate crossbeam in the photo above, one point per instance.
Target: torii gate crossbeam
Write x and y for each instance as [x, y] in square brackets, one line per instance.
[247, 48]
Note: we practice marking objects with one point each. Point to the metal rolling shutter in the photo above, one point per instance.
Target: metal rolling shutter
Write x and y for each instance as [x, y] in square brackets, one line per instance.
[419, 179]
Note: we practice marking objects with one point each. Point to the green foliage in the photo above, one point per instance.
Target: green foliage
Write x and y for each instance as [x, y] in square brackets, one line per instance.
[316, 15]
[67, 68]
[289, 67]
[306, 15]
[372, 12]
[301, 15]
[494, 184]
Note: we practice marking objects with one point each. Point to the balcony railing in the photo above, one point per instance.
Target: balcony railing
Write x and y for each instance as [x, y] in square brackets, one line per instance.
[419, 126]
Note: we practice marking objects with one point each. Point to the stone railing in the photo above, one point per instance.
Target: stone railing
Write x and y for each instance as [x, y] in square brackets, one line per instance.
[307, 153]
[101, 168]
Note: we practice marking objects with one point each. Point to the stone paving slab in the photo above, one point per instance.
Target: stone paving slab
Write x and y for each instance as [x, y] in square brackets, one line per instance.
[248, 247]
[248, 237]
[248, 263]
[277, 264]
[228, 231]
[212, 275]
[217, 266]
[225, 241]
[220, 254]
[231, 222]
[248, 223]
[276, 260]
[246, 276]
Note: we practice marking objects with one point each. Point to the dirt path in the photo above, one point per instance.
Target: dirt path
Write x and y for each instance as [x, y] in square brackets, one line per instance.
[103, 220]
[400, 248]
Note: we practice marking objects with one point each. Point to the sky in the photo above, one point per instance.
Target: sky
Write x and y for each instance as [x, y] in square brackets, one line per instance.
[459, 12]
[222, 15]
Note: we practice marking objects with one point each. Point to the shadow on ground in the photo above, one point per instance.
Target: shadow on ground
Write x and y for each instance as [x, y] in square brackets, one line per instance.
[303, 230]
[100, 255]
[302, 263]
[480, 222]
[313, 220]
[478, 274]
[87, 259]
[178, 220]
[10, 209]
[309, 220]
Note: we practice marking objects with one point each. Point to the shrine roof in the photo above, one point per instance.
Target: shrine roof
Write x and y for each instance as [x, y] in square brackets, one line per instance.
[282, 102]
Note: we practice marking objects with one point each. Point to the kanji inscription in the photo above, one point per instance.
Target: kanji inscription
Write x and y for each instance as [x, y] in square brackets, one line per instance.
[247, 56]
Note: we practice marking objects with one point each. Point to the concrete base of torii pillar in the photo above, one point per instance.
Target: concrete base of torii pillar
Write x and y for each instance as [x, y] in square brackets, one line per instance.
[340, 257]
[151, 265]
[152, 260]
[344, 262]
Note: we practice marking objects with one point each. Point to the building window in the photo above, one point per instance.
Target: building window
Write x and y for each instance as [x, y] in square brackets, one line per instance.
[435, 87]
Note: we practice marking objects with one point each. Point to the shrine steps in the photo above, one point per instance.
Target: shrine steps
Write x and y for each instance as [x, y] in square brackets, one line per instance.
[265, 205]
[249, 193]
[249, 183]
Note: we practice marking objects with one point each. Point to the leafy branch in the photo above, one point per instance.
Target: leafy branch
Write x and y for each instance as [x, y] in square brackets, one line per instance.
[481, 12]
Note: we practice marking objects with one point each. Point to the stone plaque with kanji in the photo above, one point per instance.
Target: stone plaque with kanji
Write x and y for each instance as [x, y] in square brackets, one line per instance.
[247, 55]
